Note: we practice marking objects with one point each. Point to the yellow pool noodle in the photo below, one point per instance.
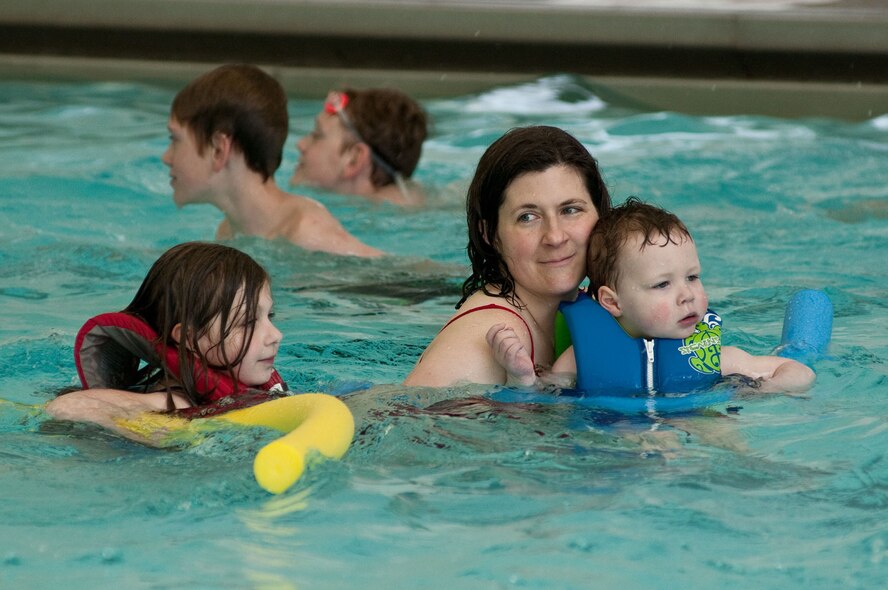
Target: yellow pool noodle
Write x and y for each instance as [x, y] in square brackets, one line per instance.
[314, 422]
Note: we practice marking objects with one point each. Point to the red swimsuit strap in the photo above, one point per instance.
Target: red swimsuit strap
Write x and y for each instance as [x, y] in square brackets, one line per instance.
[497, 306]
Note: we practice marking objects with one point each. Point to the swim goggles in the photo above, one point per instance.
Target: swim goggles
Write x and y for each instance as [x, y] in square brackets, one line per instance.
[335, 105]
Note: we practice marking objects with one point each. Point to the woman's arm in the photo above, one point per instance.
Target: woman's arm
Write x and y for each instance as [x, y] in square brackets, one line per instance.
[776, 374]
[110, 407]
[460, 352]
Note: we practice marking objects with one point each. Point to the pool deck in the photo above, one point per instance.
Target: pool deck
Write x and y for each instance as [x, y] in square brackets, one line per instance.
[805, 58]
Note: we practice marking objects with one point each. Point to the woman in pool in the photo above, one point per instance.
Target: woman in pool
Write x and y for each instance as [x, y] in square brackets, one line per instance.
[202, 323]
[534, 199]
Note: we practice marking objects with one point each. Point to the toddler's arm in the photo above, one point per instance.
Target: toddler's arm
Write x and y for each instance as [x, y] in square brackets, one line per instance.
[509, 351]
[776, 374]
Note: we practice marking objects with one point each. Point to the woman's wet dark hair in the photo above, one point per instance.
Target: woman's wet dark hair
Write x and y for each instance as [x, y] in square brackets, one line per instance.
[192, 284]
[521, 150]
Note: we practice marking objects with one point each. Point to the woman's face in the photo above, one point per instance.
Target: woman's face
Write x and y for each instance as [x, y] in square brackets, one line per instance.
[544, 225]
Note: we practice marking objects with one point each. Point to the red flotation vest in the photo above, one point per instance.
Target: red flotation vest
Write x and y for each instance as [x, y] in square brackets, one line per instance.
[116, 350]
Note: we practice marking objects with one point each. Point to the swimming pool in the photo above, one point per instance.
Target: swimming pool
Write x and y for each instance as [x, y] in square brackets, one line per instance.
[785, 493]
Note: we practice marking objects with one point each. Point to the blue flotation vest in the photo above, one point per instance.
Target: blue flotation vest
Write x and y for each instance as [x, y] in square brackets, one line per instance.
[611, 362]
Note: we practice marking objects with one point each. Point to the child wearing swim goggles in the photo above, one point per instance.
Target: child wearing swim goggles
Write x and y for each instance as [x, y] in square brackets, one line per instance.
[367, 143]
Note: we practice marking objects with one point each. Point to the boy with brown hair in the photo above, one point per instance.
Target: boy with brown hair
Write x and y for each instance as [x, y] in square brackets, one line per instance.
[227, 132]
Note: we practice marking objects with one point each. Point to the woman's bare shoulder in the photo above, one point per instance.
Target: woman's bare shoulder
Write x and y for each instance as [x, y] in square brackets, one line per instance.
[459, 353]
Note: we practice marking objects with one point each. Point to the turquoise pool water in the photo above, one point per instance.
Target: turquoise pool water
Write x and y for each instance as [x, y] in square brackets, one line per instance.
[434, 493]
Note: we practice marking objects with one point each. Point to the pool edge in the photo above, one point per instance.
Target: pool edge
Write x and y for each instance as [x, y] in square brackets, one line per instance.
[787, 58]
[839, 100]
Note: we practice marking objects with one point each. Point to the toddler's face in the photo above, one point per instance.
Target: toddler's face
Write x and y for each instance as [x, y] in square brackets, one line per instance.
[660, 292]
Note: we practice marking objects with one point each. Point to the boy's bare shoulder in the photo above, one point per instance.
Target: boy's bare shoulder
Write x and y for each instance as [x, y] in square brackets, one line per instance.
[310, 225]
[300, 214]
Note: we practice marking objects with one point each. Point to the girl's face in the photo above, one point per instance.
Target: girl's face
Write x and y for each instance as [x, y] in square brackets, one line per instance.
[258, 363]
[543, 230]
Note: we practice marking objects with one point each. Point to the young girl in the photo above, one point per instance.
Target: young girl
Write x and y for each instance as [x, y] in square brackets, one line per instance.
[197, 338]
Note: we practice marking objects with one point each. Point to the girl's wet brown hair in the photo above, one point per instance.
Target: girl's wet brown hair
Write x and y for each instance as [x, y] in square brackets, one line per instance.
[520, 151]
[192, 284]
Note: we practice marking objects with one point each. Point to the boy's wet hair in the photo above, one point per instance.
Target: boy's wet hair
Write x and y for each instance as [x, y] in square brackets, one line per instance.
[520, 151]
[193, 284]
[243, 102]
[392, 124]
[656, 225]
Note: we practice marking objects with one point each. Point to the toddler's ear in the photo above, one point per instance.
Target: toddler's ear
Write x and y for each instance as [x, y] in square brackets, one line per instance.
[609, 300]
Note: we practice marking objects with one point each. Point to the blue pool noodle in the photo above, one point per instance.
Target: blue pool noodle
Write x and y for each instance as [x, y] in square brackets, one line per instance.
[807, 327]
